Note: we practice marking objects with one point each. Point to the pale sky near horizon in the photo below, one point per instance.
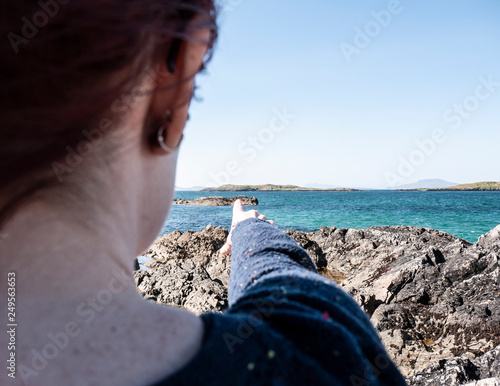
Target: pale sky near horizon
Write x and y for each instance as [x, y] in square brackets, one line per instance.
[348, 93]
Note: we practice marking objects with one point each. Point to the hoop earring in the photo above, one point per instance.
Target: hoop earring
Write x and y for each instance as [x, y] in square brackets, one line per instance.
[161, 135]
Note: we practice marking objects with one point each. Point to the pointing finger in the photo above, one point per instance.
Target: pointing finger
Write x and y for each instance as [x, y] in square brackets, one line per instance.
[238, 207]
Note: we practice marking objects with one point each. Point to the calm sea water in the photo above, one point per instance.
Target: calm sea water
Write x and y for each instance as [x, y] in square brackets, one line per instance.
[464, 214]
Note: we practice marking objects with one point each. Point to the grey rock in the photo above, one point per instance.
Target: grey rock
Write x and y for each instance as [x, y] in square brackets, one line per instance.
[188, 271]
[490, 240]
[217, 201]
[483, 370]
[430, 295]
[485, 382]
[489, 364]
[447, 372]
[313, 249]
[182, 283]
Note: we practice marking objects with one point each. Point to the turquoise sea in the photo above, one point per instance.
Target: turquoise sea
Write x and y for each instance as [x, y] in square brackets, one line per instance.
[464, 214]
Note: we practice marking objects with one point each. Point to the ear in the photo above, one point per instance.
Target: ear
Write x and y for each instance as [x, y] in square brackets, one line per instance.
[175, 72]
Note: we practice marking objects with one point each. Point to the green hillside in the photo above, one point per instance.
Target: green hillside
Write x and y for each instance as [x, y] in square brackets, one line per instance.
[475, 186]
[486, 185]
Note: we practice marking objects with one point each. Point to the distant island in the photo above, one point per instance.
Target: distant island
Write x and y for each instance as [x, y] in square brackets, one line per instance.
[476, 186]
[217, 201]
[422, 185]
[272, 188]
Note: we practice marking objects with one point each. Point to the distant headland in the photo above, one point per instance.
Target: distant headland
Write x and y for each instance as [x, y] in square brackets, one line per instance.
[476, 186]
[272, 188]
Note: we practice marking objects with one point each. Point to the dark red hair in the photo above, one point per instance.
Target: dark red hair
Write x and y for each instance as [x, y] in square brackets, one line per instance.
[58, 58]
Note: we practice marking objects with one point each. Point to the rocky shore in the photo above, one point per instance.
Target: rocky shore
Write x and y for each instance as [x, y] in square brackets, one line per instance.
[433, 298]
[217, 201]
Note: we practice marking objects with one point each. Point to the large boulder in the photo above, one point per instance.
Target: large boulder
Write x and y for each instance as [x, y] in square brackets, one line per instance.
[182, 283]
[200, 247]
[187, 270]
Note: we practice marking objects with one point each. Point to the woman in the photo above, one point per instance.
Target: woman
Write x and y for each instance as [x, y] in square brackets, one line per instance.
[95, 98]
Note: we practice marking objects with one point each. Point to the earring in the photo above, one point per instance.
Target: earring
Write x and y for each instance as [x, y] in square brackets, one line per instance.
[162, 131]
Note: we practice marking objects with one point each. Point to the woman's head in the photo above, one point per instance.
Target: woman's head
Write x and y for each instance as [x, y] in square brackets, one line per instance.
[75, 70]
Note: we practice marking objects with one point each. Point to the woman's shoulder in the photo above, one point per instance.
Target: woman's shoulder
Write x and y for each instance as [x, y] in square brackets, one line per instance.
[241, 349]
[283, 332]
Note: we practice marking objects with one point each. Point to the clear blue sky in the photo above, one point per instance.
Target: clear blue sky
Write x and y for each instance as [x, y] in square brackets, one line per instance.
[364, 80]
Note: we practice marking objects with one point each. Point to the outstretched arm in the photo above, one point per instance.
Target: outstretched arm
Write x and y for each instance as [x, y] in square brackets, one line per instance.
[274, 278]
